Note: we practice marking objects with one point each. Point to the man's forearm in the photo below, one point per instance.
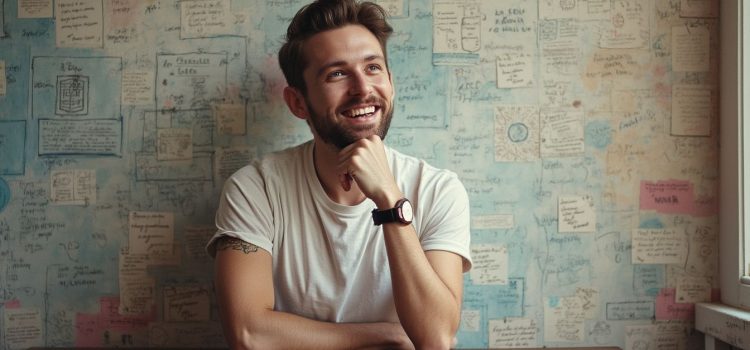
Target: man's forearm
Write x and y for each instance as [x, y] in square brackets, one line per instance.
[426, 306]
[279, 330]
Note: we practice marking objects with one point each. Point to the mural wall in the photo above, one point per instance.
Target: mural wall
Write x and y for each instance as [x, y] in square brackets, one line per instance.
[584, 131]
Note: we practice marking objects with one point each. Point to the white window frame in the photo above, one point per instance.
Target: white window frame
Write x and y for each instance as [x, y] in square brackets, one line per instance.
[734, 193]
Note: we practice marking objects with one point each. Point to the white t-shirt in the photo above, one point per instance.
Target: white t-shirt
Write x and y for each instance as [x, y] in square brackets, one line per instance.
[329, 260]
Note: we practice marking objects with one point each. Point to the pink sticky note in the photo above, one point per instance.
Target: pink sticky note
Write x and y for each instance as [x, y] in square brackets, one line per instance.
[674, 197]
[97, 330]
[671, 196]
[668, 309]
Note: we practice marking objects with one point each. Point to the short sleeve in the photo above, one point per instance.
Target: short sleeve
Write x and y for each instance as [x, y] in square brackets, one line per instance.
[446, 219]
[244, 211]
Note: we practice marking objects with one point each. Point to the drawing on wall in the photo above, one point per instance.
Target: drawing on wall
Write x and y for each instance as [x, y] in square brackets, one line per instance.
[584, 132]
[72, 95]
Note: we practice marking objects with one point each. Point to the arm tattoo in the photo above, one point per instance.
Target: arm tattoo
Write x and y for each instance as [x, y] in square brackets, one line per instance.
[225, 243]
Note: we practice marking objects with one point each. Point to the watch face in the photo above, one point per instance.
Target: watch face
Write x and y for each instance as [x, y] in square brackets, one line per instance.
[406, 211]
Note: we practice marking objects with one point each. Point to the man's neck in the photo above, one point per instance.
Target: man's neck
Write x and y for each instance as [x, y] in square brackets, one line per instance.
[325, 158]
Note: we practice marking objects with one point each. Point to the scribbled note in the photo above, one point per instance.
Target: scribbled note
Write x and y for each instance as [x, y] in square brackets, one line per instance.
[204, 18]
[693, 290]
[658, 246]
[513, 333]
[186, 303]
[627, 27]
[34, 8]
[22, 328]
[151, 233]
[231, 159]
[564, 319]
[138, 87]
[562, 133]
[174, 144]
[692, 110]
[691, 50]
[456, 32]
[490, 264]
[576, 214]
[196, 237]
[73, 187]
[79, 23]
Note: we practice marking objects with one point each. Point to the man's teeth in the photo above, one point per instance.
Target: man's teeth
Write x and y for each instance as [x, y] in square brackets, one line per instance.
[357, 112]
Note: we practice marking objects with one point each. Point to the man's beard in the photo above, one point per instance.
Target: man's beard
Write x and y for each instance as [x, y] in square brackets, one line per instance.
[337, 135]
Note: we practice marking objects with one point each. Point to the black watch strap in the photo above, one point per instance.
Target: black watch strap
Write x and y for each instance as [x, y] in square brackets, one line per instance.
[380, 217]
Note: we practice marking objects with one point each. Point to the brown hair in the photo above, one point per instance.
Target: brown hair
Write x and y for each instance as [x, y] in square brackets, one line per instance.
[323, 15]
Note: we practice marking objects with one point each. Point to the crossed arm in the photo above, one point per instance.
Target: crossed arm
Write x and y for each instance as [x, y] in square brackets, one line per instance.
[427, 290]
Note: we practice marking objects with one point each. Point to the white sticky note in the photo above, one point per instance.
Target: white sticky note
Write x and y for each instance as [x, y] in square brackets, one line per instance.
[205, 18]
[138, 87]
[513, 333]
[692, 108]
[78, 23]
[174, 144]
[515, 69]
[73, 187]
[23, 328]
[35, 8]
[691, 50]
[564, 319]
[151, 233]
[658, 246]
[693, 290]
[490, 264]
[562, 133]
[576, 214]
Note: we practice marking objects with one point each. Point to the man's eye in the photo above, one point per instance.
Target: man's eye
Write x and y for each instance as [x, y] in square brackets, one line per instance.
[373, 68]
[336, 74]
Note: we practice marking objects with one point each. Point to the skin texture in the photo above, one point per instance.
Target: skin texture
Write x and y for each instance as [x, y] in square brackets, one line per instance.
[347, 72]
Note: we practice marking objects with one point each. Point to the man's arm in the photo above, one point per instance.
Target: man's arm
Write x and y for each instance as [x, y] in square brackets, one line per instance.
[244, 286]
[427, 286]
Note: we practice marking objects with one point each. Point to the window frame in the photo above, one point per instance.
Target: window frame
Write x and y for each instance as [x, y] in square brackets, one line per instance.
[734, 154]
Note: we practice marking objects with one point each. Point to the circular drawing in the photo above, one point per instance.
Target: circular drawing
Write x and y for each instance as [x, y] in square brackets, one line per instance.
[518, 132]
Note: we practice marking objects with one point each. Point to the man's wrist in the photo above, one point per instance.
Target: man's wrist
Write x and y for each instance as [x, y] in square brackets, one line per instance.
[388, 200]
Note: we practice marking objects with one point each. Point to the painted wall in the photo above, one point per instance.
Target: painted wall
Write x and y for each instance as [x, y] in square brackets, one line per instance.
[584, 131]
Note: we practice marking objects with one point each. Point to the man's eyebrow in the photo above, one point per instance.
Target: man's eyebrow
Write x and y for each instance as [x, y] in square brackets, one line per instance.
[339, 63]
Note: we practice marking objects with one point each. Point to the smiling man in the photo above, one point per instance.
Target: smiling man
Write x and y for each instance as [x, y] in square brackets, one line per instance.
[340, 242]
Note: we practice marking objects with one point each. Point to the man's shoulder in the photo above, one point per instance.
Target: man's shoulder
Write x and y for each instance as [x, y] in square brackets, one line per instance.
[411, 164]
[282, 159]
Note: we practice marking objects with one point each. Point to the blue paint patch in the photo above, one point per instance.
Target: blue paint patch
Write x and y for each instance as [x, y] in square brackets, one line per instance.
[654, 223]
[554, 301]
[598, 134]
[4, 194]
[12, 147]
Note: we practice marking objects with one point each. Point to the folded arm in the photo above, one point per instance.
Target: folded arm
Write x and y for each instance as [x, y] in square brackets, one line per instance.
[244, 286]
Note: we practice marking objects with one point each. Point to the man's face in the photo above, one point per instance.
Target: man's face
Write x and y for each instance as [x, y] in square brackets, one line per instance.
[349, 88]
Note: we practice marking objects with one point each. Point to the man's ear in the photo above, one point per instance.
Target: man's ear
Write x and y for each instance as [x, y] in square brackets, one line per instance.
[296, 102]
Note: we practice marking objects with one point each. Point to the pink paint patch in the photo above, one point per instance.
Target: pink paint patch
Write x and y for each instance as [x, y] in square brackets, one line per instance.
[668, 309]
[660, 71]
[101, 329]
[12, 304]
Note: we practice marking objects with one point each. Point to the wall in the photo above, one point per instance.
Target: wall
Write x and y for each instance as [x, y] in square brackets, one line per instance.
[584, 132]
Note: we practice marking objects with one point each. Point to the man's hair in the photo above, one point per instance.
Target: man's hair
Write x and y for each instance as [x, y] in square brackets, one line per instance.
[323, 15]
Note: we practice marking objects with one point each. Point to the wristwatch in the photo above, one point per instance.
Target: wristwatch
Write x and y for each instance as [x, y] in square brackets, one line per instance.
[402, 213]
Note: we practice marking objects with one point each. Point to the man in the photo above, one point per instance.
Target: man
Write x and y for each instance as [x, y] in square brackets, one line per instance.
[302, 259]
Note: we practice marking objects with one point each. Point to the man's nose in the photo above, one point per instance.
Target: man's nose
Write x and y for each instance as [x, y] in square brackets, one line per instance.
[360, 85]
